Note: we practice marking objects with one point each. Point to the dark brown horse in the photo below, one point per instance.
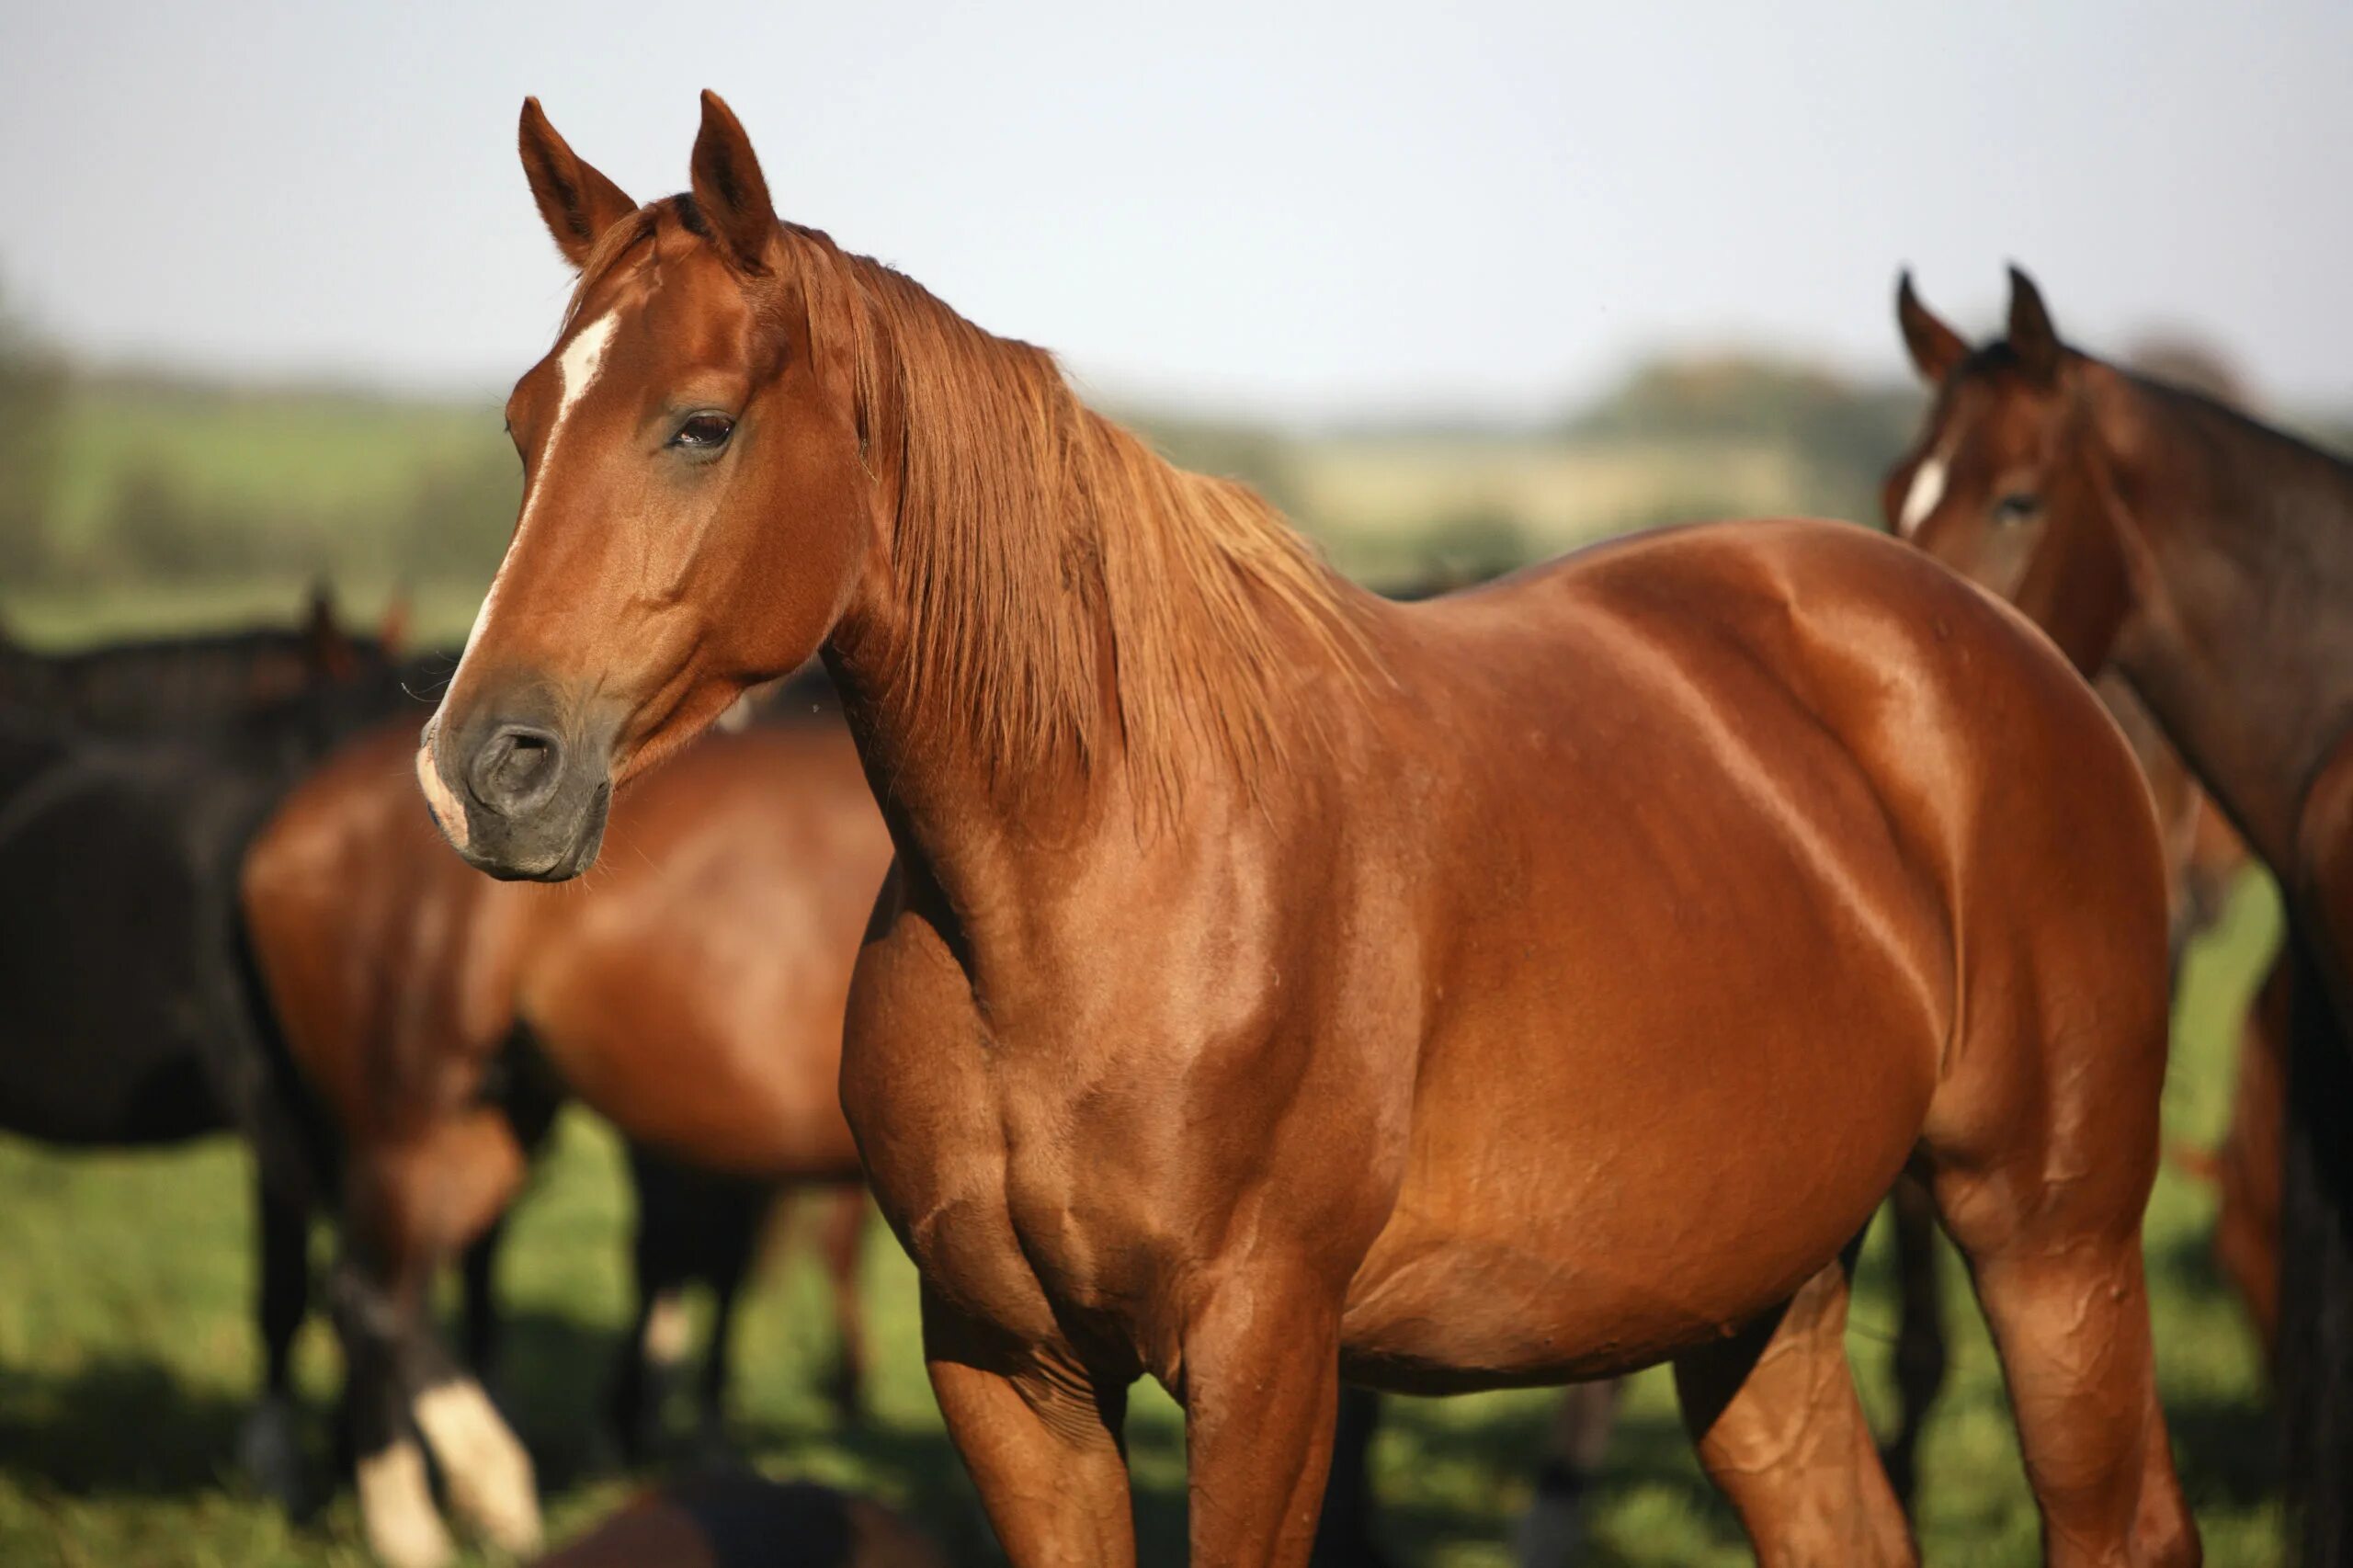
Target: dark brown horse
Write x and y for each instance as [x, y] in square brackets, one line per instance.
[692, 994]
[2209, 560]
[1281, 984]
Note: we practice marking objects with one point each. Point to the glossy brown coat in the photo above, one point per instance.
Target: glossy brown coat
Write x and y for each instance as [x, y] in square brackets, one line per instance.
[1282, 983]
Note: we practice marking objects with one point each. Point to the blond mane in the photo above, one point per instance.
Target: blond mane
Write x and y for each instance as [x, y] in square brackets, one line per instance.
[1048, 559]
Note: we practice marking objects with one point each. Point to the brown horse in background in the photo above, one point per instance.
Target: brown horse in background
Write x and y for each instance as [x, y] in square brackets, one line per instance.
[1281, 984]
[692, 994]
[2209, 558]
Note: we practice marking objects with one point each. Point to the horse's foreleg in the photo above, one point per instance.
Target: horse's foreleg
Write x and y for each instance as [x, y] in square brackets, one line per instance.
[1261, 1392]
[396, 1511]
[1551, 1533]
[478, 1277]
[1779, 1429]
[745, 1213]
[271, 1446]
[1043, 1443]
[416, 1200]
[461, 1178]
[841, 1243]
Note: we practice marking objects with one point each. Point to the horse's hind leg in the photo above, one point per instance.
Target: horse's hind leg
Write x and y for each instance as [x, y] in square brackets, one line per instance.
[1780, 1430]
[1920, 1356]
[2045, 1201]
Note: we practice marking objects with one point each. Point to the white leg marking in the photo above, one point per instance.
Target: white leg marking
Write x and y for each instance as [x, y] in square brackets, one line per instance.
[1927, 489]
[668, 1331]
[489, 1474]
[396, 1509]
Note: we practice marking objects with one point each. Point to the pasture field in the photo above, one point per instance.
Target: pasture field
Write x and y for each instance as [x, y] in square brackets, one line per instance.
[126, 1362]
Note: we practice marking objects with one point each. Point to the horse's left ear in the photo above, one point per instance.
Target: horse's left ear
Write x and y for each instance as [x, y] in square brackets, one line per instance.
[2033, 339]
[1935, 348]
[728, 187]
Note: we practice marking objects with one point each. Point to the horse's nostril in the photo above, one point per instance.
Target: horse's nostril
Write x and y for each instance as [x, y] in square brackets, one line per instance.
[516, 770]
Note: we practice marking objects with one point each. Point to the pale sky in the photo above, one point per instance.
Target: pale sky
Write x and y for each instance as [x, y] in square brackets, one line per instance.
[1308, 212]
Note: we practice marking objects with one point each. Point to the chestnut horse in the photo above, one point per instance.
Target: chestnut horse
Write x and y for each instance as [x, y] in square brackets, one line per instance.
[693, 995]
[1279, 983]
[2209, 560]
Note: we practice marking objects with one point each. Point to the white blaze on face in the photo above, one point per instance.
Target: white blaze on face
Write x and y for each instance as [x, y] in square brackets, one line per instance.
[575, 371]
[1927, 489]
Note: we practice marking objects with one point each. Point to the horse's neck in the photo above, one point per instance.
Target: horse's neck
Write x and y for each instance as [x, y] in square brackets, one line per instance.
[999, 853]
[2243, 641]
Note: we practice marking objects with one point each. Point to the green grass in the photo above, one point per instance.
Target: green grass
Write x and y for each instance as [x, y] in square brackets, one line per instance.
[126, 1362]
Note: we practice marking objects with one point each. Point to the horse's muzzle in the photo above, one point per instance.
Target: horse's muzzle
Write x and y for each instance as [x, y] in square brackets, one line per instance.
[517, 792]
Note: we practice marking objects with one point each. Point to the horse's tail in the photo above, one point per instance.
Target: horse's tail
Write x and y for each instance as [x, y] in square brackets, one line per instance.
[2315, 1349]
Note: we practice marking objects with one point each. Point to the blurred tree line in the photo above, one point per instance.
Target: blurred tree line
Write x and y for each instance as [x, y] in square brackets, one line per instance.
[113, 476]
[30, 378]
[1844, 433]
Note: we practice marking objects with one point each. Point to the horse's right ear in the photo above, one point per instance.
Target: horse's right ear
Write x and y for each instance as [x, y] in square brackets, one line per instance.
[2033, 339]
[392, 631]
[1935, 348]
[578, 203]
[326, 648]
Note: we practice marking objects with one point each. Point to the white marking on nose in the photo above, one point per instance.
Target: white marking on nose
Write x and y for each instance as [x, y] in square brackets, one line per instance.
[1927, 489]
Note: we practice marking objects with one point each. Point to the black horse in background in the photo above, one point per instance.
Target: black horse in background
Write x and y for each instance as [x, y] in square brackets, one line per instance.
[131, 778]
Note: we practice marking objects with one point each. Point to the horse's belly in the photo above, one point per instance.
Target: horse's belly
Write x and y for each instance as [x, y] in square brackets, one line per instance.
[1649, 1184]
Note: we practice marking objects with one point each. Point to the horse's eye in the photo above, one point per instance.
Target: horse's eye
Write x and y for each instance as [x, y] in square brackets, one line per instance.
[704, 432]
[2015, 508]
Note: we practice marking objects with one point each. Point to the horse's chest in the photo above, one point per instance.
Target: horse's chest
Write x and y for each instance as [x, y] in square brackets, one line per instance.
[1022, 1195]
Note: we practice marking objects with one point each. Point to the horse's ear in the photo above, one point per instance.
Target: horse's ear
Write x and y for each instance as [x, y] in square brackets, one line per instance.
[326, 648]
[1935, 348]
[728, 185]
[578, 203]
[2033, 339]
[392, 631]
